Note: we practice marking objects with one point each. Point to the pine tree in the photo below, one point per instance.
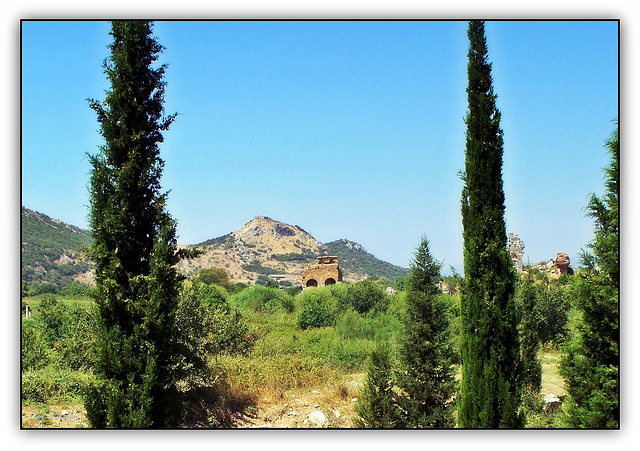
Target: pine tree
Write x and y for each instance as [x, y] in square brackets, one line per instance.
[426, 376]
[135, 248]
[591, 361]
[377, 406]
[490, 393]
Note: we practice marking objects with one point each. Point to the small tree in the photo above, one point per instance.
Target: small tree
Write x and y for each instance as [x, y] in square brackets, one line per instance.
[377, 405]
[591, 361]
[426, 375]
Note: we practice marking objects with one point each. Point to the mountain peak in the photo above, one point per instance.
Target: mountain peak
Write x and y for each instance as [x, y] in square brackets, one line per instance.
[263, 228]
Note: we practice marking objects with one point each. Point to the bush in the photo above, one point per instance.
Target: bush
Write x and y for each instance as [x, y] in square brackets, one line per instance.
[35, 352]
[367, 295]
[317, 308]
[264, 299]
[215, 276]
[51, 384]
[351, 325]
[76, 289]
[45, 288]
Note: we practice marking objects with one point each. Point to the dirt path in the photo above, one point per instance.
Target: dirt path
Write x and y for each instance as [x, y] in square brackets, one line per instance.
[299, 410]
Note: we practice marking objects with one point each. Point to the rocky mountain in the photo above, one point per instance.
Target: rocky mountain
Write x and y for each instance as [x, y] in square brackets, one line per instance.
[52, 252]
[264, 246]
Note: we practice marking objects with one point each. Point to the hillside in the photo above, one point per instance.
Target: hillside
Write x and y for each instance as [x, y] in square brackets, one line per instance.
[264, 246]
[52, 250]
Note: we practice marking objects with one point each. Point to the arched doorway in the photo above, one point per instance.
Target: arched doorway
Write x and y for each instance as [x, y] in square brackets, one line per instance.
[312, 283]
[330, 281]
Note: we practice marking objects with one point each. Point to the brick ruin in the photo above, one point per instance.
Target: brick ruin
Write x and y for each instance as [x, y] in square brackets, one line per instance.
[326, 271]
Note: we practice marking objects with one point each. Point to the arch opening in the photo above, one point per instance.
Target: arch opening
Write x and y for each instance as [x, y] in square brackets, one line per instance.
[312, 283]
[330, 281]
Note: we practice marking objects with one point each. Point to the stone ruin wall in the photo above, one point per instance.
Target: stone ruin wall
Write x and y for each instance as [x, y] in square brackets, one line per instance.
[516, 249]
[326, 271]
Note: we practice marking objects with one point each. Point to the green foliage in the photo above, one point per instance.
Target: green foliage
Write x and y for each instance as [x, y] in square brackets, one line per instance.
[377, 405]
[367, 295]
[490, 389]
[134, 247]
[256, 266]
[44, 242]
[316, 307]
[76, 289]
[208, 325]
[358, 262]
[591, 361]
[266, 281]
[551, 313]
[259, 298]
[51, 384]
[59, 334]
[526, 299]
[45, 288]
[215, 276]
[425, 373]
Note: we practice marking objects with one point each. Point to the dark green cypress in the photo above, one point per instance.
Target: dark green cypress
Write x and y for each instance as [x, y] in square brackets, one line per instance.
[425, 374]
[527, 295]
[490, 387]
[590, 364]
[134, 248]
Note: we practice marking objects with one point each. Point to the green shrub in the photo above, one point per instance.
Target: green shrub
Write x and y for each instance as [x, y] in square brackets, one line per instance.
[45, 288]
[351, 325]
[317, 308]
[51, 384]
[35, 351]
[76, 289]
[264, 299]
[367, 295]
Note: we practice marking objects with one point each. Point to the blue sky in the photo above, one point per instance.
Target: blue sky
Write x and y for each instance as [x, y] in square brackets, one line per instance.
[348, 129]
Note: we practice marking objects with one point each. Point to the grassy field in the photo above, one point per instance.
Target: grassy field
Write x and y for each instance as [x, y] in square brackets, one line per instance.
[289, 373]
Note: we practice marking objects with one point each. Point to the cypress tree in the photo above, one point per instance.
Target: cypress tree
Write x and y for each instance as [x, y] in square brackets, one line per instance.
[591, 361]
[526, 298]
[134, 248]
[426, 375]
[490, 393]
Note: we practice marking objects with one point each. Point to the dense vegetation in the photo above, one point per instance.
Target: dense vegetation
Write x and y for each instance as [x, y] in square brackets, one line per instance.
[592, 358]
[51, 250]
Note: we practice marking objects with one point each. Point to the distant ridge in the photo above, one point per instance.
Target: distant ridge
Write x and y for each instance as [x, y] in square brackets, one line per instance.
[52, 252]
[264, 246]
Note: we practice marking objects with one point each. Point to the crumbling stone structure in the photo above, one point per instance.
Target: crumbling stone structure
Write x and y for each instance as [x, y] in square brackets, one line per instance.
[326, 271]
[516, 249]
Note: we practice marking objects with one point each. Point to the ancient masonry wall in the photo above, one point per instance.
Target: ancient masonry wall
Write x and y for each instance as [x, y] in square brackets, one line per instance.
[326, 271]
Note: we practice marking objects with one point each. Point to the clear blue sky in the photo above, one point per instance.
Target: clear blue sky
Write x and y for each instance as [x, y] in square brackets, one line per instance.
[348, 129]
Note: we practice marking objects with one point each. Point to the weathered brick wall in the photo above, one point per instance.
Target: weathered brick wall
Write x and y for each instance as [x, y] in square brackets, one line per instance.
[325, 270]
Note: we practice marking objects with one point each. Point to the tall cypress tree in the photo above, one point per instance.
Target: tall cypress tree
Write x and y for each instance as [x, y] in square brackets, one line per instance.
[425, 375]
[591, 361]
[135, 248]
[490, 393]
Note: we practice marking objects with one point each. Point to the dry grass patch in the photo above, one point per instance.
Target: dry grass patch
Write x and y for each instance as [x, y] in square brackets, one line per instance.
[552, 381]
